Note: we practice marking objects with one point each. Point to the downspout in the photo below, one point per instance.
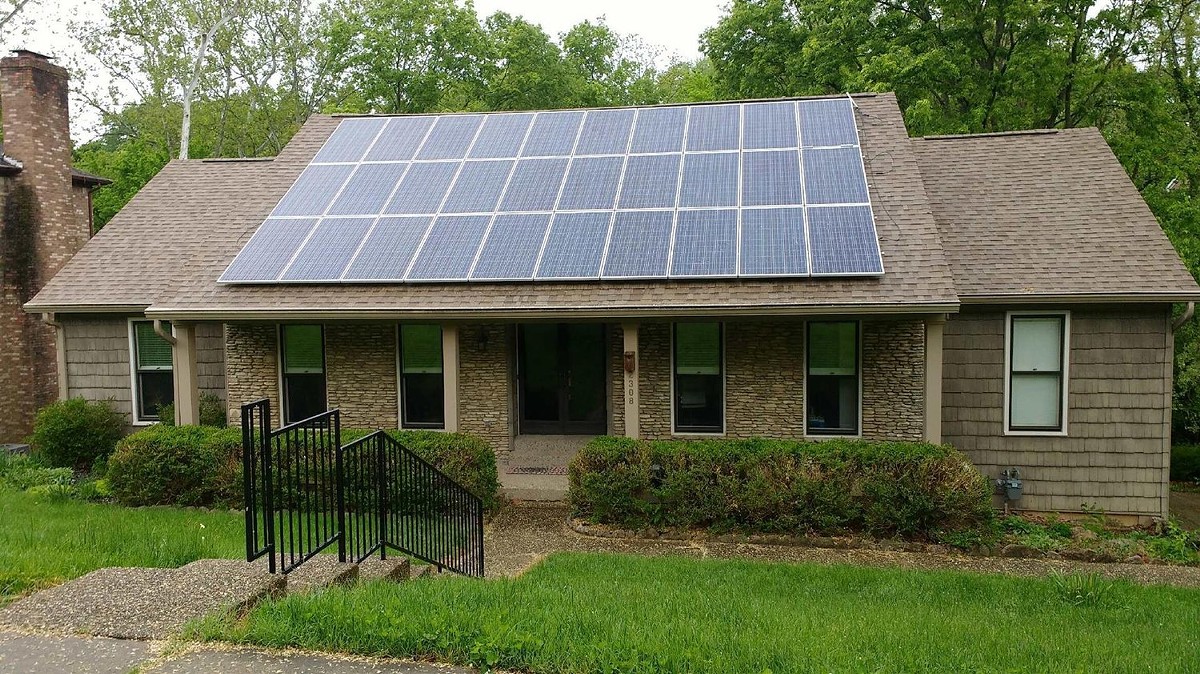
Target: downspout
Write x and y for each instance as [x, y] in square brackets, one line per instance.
[165, 333]
[60, 353]
[1184, 317]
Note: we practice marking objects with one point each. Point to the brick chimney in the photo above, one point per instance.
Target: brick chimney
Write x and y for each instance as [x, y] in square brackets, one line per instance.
[40, 229]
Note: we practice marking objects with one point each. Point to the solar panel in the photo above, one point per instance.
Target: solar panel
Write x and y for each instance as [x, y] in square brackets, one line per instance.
[843, 241]
[313, 190]
[511, 249]
[767, 188]
[705, 244]
[770, 125]
[710, 180]
[328, 249]
[388, 249]
[771, 178]
[449, 248]
[477, 187]
[650, 181]
[350, 140]
[640, 245]
[575, 246]
[834, 176]
[773, 242]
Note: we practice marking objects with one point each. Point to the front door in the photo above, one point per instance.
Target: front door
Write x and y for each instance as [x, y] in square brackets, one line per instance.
[562, 379]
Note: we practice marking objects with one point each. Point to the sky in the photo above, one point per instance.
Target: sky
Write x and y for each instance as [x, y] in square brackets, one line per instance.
[672, 25]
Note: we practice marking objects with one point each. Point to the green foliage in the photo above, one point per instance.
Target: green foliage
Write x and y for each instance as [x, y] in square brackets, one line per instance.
[1185, 463]
[212, 412]
[780, 486]
[1175, 544]
[21, 472]
[184, 465]
[1079, 589]
[75, 433]
[624, 613]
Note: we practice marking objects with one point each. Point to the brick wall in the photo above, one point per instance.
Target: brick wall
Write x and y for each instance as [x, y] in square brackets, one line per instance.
[41, 230]
[1116, 454]
[485, 394]
[360, 366]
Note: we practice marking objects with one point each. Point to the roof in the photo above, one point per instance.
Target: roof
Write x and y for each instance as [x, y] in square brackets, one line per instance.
[166, 249]
[1028, 216]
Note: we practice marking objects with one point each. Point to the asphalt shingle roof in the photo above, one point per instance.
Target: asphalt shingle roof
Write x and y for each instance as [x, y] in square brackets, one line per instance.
[168, 246]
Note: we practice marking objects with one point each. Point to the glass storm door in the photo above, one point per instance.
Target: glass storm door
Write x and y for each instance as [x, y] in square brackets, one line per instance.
[562, 379]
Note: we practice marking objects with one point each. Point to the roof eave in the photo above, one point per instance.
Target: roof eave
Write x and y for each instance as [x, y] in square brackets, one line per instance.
[1082, 298]
[581, 312]
[33, 307]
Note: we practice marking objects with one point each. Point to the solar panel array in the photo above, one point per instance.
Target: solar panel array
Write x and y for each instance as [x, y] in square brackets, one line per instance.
[759, 189]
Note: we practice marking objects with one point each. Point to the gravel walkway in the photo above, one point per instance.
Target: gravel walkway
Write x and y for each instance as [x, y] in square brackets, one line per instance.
[520, 536]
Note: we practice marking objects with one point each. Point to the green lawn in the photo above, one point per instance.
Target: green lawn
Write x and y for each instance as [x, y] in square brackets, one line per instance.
[46, 540]
[609, 613]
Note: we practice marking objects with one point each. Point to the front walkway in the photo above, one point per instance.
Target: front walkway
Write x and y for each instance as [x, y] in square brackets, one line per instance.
[536, 470]
[521, 536]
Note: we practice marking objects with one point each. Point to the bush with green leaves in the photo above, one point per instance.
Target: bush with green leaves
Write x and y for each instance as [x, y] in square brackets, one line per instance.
[780, 486]
[21, 472]
[75, 433]
[177, 465]
[212, 412]
[1185, 463]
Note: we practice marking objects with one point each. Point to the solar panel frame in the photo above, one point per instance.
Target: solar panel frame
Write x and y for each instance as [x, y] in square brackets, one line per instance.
[847, 246]
[328, 249]
[784, 244]
[449, 249]
[570, 236]
[436, 178]
[278, 238]
[396, 230]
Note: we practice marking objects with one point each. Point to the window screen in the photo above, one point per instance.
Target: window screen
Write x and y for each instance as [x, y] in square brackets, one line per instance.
[699, 380]
[154, 383]
[833, 378]
[421, 378]
[1035, 385]
[303, 350]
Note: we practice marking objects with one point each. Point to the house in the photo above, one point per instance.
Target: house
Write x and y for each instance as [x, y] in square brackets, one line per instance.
[789, 268]
[47, 217]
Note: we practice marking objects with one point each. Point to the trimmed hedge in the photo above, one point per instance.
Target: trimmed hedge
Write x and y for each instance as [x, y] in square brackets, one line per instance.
[75, 433]
[779, 486]
[202, 466]
[178, 465]
[1185, 463]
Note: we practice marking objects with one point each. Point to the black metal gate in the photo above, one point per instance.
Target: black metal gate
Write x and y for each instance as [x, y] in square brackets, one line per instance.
[306, 492]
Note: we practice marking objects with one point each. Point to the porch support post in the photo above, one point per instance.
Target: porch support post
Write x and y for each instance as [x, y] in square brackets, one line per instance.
[187, 381]
[450, 375]
[630, 388]
[934, 327]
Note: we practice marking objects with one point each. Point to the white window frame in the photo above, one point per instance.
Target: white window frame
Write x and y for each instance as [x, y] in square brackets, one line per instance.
[400, 380]
[1066, 372]
[134, 402]
[724, 384]
[804, 385]
[279, 366]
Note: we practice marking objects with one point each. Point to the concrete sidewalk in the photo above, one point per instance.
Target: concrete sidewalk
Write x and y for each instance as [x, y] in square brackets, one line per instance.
[26, 653]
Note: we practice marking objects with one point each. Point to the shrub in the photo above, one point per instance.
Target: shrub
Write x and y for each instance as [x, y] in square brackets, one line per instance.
[21, 472]
[212, 412]
[467, 459]
[74, 433]
[780, 486]
[185, 465]
[1185, 463]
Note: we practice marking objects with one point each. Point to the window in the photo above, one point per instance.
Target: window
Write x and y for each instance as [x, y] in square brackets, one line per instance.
[153, 381]
[699, 380]
[833, 378]
[303, 354]
[1036, 372]
[421, 382]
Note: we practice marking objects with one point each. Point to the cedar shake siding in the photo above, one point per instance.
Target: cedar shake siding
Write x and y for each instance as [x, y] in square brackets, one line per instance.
[1116, 451]
[98, 360]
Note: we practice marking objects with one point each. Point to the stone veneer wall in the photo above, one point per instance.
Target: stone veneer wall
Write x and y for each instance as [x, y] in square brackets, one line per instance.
[360, 367]
[616, 380]
[893, 385]
[485, 376]
[764, 379]
[251, 367]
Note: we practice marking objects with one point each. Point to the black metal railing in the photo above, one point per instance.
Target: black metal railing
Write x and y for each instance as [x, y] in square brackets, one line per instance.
[305, 492]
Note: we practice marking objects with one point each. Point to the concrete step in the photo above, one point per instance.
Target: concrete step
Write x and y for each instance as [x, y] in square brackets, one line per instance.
[320, 572]
[395, 569]
[534, 487]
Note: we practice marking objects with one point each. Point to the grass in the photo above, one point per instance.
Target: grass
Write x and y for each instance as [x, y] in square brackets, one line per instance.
[45, 540]
[610, 613]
